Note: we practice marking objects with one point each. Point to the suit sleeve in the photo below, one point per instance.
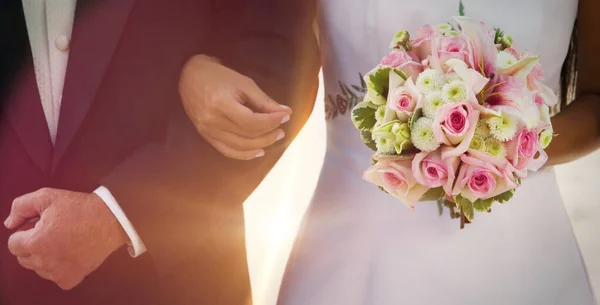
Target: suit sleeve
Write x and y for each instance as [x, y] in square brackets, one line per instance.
[182, 196]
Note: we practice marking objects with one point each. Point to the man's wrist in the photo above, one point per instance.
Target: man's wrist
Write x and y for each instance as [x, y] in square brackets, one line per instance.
[135, 245]
[114, 235]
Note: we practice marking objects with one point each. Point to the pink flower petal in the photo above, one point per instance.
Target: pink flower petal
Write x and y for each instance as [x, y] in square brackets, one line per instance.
[469, 76]
[451, 166]
[416, 167]
[520, 69]
[449, 152]
[460, 180]
[504, 185]
[513, 52]
[413, 196]
[411, 69]
[482, 45]
[496, 161]
[547, 94]
[421, 45]
[480, 163]
[439, 134]
[535, 164]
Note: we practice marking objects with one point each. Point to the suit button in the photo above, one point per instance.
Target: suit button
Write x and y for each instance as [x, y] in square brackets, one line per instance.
[62, 43]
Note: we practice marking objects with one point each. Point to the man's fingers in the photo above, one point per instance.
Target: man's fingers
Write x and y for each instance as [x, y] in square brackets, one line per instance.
[30, 262]
[232, 153]
[261, 102]
[47, 275]
[242, 143]
[26, 262]
[252, 124]
[19, 243]
[28, 206]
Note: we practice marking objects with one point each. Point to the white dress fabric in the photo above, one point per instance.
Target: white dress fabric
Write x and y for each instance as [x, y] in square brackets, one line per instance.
[359, 246]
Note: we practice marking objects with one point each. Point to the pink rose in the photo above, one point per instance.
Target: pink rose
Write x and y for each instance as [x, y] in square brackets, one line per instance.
[403, 100]
[404, 61]
[430, 170]
[395, 176]
[422, 44]
[528, 143]
[453, 47]
[482, 183]
[396, 58]
[454, 125]
[524, 148]
[479, 179]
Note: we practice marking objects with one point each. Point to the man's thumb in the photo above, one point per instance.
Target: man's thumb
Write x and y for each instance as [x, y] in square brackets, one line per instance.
[27, 207]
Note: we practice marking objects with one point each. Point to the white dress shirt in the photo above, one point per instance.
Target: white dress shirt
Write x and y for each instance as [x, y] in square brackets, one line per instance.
[49, 25]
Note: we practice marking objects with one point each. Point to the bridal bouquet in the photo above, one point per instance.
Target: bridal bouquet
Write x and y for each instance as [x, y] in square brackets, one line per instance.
[457, 115]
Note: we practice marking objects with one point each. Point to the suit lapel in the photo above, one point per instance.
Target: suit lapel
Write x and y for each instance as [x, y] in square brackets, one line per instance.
[26, 115]
[22, 100]
[95, 36]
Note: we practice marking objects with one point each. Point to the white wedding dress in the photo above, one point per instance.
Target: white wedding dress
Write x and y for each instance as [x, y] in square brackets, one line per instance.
[359, 246]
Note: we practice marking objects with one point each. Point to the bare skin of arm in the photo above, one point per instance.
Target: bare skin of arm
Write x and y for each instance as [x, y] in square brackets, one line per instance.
[578, 126]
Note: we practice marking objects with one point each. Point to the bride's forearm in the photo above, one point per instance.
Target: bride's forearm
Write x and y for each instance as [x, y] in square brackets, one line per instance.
[578, 129]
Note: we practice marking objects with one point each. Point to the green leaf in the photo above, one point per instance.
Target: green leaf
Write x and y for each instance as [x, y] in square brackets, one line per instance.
[517, 180]
[483, 205]
[363, 116]
[379, 81]
[461, 8]
[368, 139]
[498, 36]
[466, 207]
[504, 197]
[401, 74]
[434, 194]
[413, 119]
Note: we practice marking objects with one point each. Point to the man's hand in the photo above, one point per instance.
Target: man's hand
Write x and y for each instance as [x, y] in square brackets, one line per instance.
[75, 233]
[229, 110]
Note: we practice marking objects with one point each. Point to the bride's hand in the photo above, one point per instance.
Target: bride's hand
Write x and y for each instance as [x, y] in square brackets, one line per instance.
[229, 110]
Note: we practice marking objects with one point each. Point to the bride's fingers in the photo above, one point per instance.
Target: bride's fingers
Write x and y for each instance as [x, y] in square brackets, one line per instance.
[261, 102]
[252, 124]
[243, 143]
[232, 153]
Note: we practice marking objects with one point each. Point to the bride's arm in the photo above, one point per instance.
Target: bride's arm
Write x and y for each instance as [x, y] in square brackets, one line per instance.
[267, 59]
[183, 197]
[578, 126]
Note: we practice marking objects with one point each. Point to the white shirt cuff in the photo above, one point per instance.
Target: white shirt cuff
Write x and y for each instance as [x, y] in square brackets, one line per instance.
[135, 246]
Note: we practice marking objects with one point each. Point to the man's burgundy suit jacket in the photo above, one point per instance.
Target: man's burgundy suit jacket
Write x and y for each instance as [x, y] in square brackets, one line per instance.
[122, 126]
